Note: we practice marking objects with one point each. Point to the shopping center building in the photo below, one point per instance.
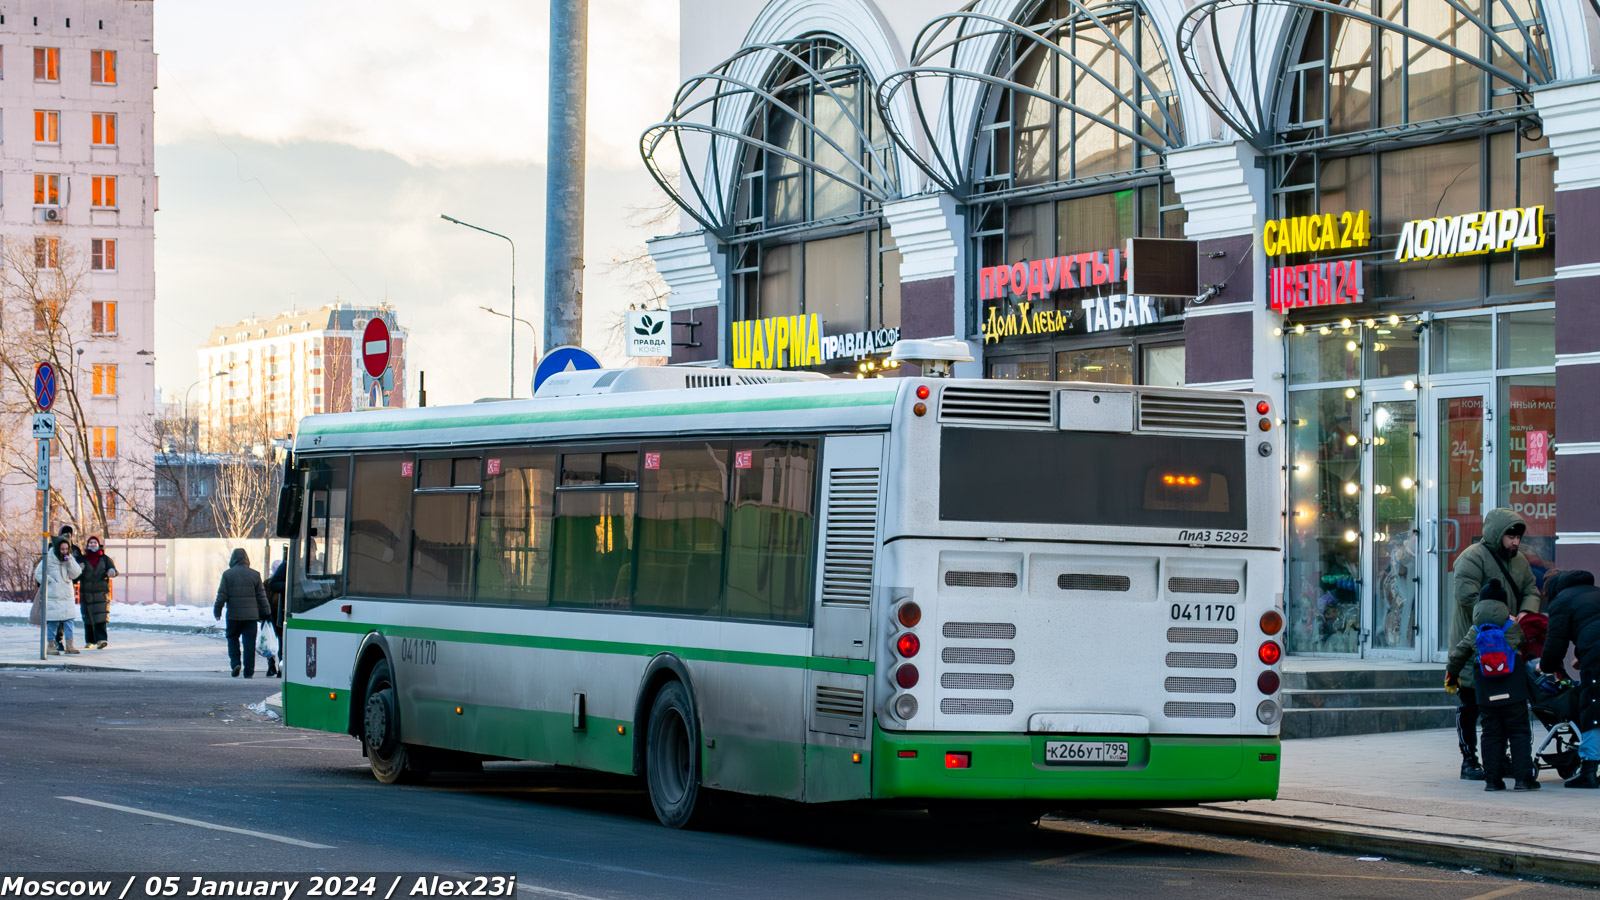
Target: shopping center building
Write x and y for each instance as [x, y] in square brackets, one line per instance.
[1394, 206]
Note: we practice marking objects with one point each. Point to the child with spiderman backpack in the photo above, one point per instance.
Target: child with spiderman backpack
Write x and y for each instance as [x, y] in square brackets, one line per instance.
[1486, 662]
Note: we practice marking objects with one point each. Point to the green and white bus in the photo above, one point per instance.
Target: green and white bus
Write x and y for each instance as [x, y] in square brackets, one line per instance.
[913, 589]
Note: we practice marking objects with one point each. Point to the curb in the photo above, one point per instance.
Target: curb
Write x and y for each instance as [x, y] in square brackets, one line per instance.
[63, 666]
[1524, 860]
[275, 703]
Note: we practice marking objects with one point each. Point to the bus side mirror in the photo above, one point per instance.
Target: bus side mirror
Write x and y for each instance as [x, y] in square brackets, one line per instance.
[288, 511]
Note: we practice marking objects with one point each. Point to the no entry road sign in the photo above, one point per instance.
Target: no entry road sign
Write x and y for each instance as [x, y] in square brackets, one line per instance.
[375, 347]
[44, 386]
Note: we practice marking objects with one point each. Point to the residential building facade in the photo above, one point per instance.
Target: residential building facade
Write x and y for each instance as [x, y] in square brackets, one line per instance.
[259, 377]
[1388, 204]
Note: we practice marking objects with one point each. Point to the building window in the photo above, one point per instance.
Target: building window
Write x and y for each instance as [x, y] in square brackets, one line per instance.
[102, 67]
[108, 502]
[46, 126]
[103, 191]
[105, 380]
[104, 442]
[103, 256]
[47, 252]
[47, 64]
[46, 314]
[46, 190]
[103, 317]
[103, 129]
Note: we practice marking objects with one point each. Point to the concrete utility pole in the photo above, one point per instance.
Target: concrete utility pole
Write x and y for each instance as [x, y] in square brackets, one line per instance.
[563, 217]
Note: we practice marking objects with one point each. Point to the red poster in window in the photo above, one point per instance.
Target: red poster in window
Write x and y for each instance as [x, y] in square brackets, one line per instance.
[1538, 461]
[405, 469]
[741, 458]
[652, 460]
[492, 466]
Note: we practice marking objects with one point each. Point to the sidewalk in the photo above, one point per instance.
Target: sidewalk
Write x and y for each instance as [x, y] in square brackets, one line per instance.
[127, 651]
[1399, 795]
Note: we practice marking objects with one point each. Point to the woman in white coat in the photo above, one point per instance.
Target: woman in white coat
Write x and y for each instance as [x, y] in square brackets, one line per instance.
[56, 572]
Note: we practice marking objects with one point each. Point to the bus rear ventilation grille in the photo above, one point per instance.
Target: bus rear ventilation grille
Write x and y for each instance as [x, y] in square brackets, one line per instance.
[1180, 685]
[705, 381]
[1073, 581]
[979, 656]
[981, 579]
[1179, 584]
[1029, 407]
[850, 537]
[1202, 635]
[963, 706]
[977, 681]
[1182, 660]
[991, 631]
[1167, 412]
[842, 702]
[1180, 709]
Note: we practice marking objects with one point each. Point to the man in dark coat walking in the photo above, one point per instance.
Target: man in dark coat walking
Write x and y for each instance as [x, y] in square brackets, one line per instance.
[1574, 612]
[245, 597]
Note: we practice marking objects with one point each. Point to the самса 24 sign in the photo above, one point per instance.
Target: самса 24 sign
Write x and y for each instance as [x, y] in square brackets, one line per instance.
[647, 332]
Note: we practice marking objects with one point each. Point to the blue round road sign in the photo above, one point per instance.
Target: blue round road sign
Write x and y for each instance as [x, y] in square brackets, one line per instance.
[563, 359]
[44, 386]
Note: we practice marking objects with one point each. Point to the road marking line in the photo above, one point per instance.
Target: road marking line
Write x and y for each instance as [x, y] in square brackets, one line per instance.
[1109, 848]
[1505, 891]
[199, 824]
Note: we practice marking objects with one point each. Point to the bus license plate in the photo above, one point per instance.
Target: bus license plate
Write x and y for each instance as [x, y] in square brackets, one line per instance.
[1086, 753]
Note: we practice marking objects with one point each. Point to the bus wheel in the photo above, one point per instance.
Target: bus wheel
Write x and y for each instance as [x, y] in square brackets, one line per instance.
[672, 757]
[391, 761]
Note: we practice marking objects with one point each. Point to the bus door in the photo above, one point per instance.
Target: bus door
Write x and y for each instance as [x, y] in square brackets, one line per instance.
[839, 681]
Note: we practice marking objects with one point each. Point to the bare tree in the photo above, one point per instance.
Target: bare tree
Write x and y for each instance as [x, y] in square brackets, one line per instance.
[247, 476]
[637, 271]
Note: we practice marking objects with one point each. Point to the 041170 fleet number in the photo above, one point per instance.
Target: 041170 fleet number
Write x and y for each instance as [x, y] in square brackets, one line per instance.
[1203, 612]
[1213, 537]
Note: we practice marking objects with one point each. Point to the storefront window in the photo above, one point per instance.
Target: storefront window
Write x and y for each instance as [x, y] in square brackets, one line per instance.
[1528, 417]
[1099, 365]
[1391, 351]
[1527, 338]
[1323, 591]
[1164, 366]
[1325, 353]
[1022, 369]
[1462, 345]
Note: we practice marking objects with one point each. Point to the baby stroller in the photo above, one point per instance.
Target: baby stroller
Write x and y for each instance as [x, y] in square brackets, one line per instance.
[1554, 702]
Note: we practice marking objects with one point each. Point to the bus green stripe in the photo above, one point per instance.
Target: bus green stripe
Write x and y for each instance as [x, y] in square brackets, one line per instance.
[312, 426]
[584, 645]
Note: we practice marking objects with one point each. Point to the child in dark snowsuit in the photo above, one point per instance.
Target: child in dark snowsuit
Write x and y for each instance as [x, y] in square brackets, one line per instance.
[1502, 702]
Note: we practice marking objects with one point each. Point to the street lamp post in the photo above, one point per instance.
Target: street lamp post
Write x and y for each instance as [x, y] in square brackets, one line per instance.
[513, 383]
[532, 331]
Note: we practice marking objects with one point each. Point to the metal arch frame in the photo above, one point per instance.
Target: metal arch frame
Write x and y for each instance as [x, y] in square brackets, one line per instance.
[1255, 120]
[733, 104]
[954, 172]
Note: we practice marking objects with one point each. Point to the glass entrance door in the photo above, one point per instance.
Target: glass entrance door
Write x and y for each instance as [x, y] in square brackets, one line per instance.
[1393, 578]
[1462, 487]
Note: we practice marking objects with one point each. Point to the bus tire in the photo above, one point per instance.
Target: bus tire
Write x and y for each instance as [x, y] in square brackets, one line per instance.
[392, 762]
[672, 756]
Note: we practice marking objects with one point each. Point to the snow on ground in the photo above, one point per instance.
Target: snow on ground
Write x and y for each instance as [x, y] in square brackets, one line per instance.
[132, 614]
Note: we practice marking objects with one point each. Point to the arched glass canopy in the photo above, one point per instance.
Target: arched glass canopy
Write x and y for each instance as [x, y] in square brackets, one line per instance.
[779, 135]
[1073, 93]
[1365, 70]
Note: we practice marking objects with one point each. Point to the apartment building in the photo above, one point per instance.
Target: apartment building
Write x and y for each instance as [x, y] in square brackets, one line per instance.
[77, 181]
[262, 375]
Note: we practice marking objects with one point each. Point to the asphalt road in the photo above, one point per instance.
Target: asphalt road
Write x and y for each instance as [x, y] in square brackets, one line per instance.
[121, 772]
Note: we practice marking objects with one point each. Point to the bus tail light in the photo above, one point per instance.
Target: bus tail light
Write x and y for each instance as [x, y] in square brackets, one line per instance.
[905, 706]
[1262, 407]
[922, 392]
[1270, 652]
[1267, 682]
[1271, 622]
[1264, 424]
[1268, 713]
[909, 614]
[906, 676]
[907, 645]
[958, 759]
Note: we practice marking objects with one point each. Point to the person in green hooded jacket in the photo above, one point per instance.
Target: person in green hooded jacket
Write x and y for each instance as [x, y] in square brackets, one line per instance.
[1496, 557]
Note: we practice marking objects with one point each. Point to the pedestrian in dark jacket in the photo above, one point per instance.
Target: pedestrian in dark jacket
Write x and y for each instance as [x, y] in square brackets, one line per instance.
[1496, 556]
[242, 593]
[94, 593]
[1575, 619]
[1502, 701]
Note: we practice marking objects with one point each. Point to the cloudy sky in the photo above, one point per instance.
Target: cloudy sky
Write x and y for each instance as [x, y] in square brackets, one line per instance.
[306, 153]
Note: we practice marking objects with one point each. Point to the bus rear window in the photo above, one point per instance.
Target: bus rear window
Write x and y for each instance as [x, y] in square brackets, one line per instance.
[1089, 478]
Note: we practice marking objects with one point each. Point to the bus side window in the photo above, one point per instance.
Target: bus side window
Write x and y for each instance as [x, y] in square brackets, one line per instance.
[320, 567]
[772, 530]
[515, 525]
